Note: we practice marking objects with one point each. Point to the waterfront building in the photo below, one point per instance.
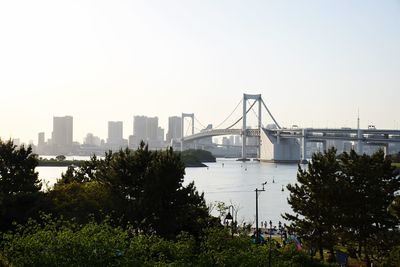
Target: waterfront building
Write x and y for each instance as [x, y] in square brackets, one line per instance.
[115, 135]
[62, 135]
[174, 129]
[146, 129]
[92, 140]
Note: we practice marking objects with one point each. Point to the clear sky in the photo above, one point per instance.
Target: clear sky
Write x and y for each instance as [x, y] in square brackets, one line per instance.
[314, 62]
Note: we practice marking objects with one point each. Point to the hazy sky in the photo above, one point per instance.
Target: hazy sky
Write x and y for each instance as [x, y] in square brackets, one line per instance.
[314, 62]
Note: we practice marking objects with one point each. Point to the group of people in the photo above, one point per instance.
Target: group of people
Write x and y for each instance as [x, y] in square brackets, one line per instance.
[286, 236]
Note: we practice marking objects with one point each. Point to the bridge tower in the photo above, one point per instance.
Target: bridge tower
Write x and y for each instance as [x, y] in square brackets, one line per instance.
[186, 115]
[244, 126]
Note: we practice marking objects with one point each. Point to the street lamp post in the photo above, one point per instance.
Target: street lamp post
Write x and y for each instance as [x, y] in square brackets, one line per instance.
[270, 241]
[229, 217]
[257, 232]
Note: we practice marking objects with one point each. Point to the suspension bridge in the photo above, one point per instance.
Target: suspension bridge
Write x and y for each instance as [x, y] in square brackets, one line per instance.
[280, 144]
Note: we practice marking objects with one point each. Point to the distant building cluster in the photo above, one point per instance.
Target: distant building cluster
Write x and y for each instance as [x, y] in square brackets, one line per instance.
[144, 129]
[147, 129]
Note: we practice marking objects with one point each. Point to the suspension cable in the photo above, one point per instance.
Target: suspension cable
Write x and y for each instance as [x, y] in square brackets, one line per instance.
[241, 100]
[197, 129]
[199, 122]
[242, 115]
[187, 130]
[270, 114]
[255, 113]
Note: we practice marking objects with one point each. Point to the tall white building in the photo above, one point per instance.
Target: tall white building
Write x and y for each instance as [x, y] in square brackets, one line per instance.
[41, 137]
[115, 133]
[62, 135]
[146, 129]
[91, 140]
[174, 128]
[139, 129]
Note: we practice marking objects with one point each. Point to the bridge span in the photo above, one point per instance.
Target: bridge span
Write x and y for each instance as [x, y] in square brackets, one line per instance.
[278, 144]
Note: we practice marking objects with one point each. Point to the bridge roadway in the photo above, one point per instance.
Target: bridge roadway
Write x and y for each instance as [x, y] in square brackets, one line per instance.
[322, 134]
[219, 132]
[311, 134]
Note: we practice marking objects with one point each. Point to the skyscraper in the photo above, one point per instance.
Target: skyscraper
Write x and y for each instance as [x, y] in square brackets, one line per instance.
[152, 128]
[146, 129]
[62, 136]
[41, 137]
[174, 128]
[139, 129]
[115, 133]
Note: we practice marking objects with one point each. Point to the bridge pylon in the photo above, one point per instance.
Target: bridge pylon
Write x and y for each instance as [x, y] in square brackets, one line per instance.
[244, 125]
[186, 115]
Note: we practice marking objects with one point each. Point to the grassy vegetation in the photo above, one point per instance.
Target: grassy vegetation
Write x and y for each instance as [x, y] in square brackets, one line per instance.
[196, 157]
[397, 165]
[191, 158]
[59, 163]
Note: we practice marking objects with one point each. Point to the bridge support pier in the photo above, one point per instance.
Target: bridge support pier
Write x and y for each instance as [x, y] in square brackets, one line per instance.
[360, 143]
[324, 146]
[304, 147]
[386, 147]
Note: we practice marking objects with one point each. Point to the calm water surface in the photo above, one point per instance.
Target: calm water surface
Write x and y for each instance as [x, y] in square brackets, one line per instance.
[232, 182]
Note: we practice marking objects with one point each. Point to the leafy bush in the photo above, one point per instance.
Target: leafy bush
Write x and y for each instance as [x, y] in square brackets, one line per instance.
[57, 242]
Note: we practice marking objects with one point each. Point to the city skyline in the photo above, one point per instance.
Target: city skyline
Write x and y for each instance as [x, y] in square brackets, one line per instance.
[315, 63]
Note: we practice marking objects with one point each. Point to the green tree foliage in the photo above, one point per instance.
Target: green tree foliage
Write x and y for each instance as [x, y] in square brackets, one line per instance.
[62, 243]
[344, 201]
[196, 157]
[315, 197]
[202, 155]
[60, 157]
[394, 207]
[19, 183]
[368, 192]
[80, 200]
[145, 189]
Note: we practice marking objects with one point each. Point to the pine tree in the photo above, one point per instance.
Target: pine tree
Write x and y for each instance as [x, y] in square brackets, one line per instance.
[19, 183]
[371, 185]
[314, 199]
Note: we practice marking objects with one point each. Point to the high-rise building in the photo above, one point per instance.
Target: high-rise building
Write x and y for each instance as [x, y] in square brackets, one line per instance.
[238, 140]
[16, 141]
[115, 133]
[41, 144]
[41, 139]
[62, 136]
[132, 142]
[140, 129]
[91, 140]
[174, 128]
[152, 128]
[160, 134]
[146, 129]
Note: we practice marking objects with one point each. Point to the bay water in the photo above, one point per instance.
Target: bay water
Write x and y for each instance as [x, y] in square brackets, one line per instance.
[232, 182]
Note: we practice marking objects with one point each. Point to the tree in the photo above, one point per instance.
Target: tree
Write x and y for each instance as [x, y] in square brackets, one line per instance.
[60, 158]
[370, 187]
[146, 188]
[344, 200]
[81, 201]
[315, 198]
[394, 207]
[149, 183]
[19, 183]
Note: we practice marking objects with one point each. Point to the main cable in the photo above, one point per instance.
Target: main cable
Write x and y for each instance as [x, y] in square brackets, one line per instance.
[241, 100]
[242, 116]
